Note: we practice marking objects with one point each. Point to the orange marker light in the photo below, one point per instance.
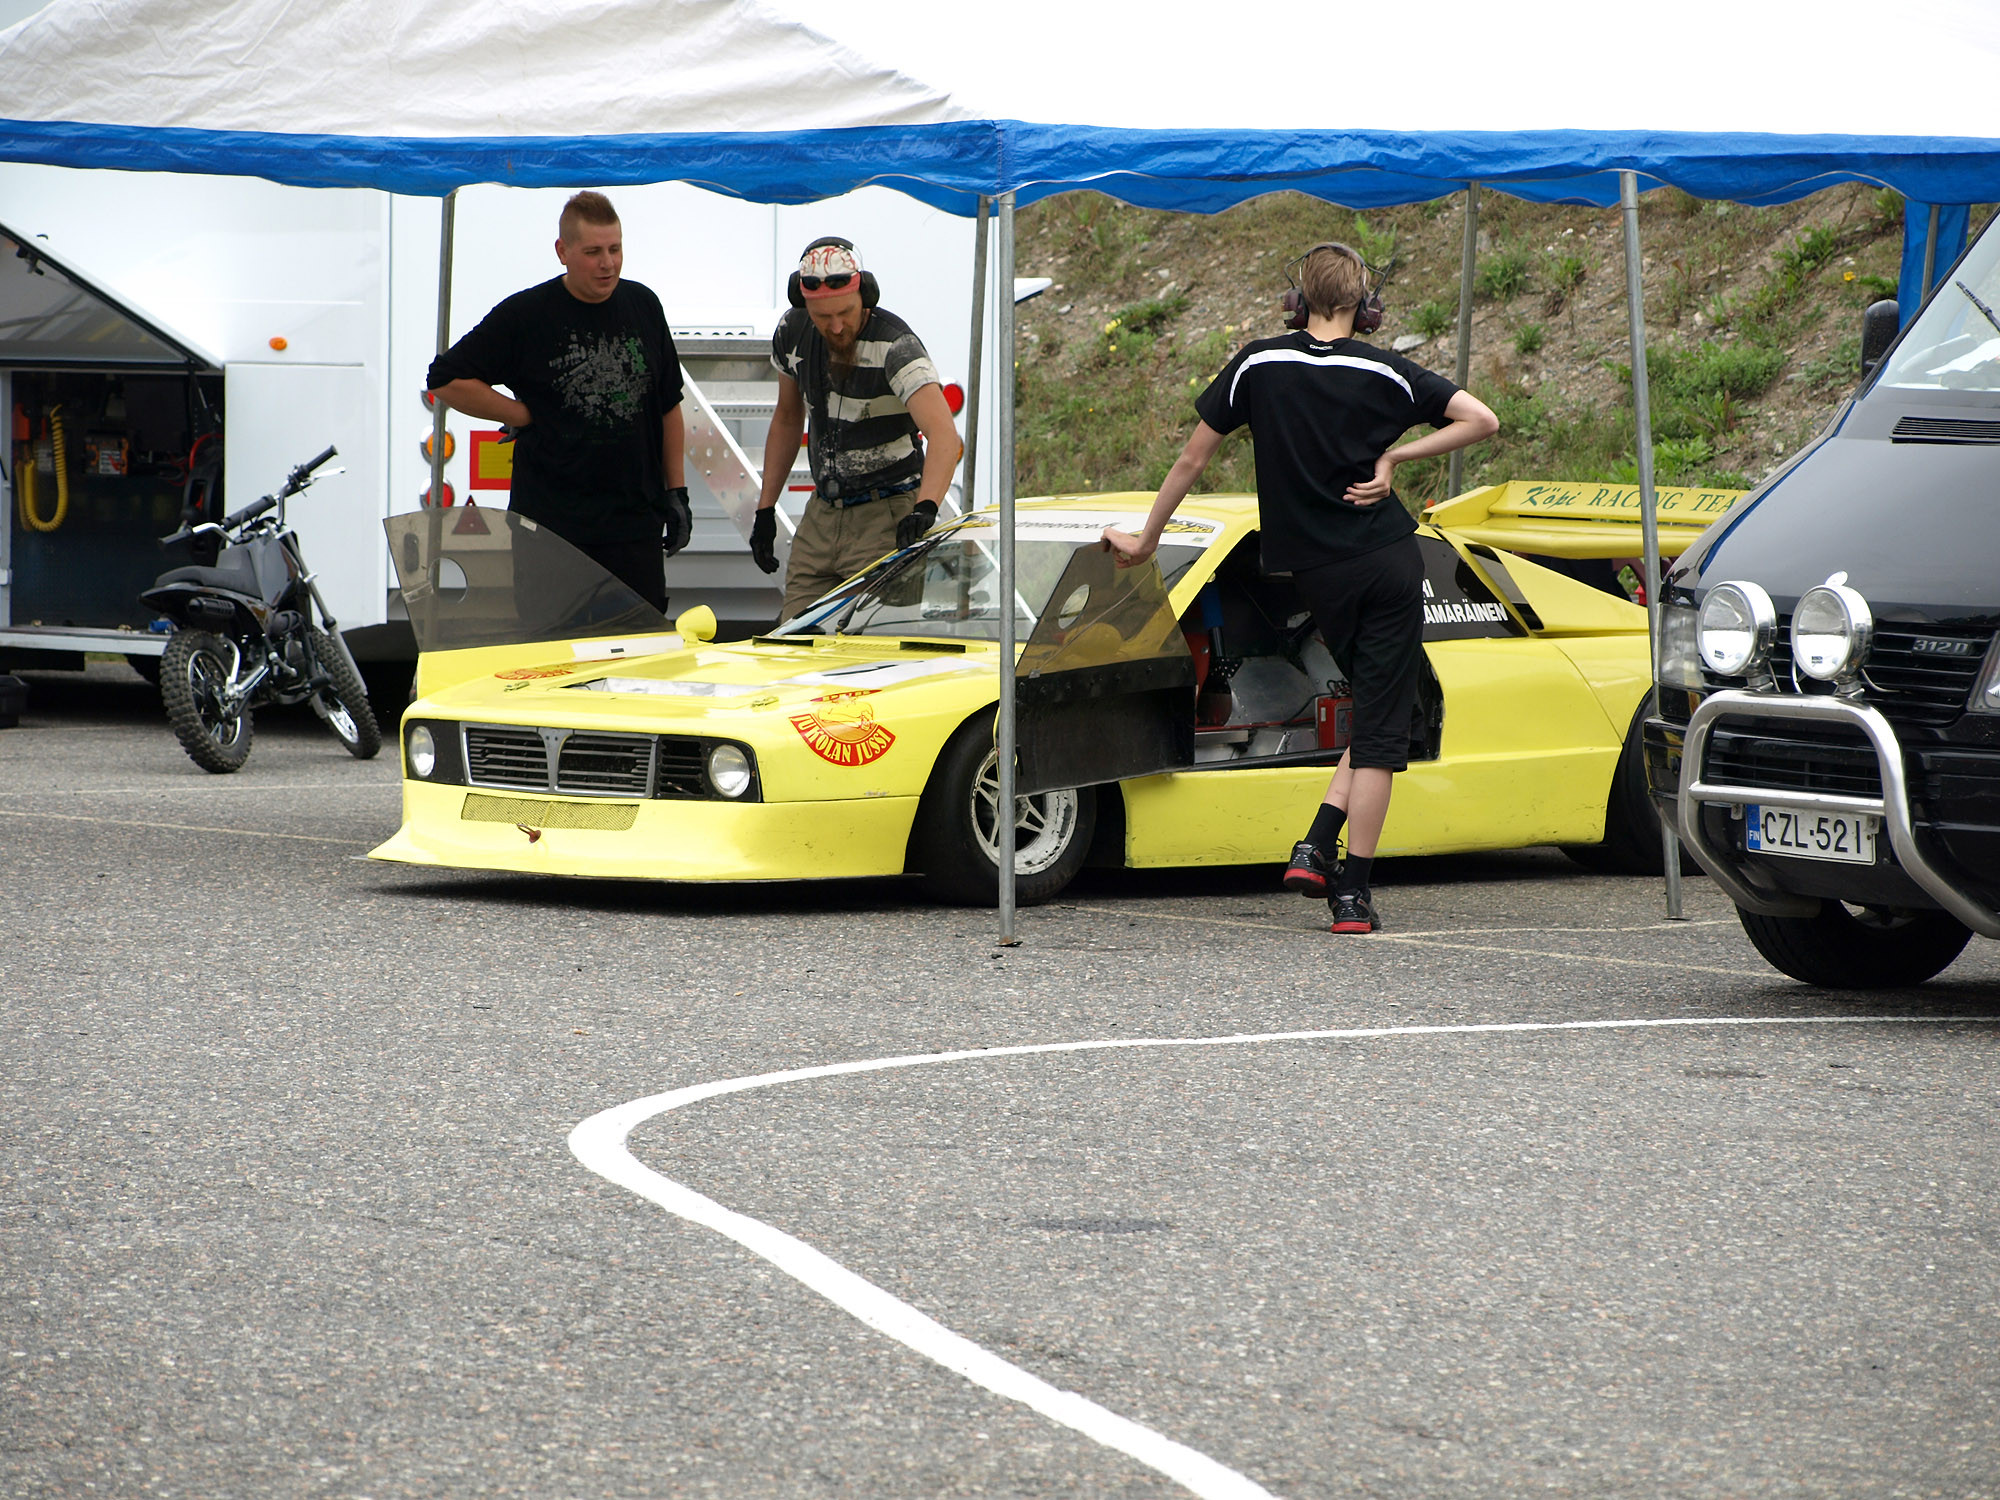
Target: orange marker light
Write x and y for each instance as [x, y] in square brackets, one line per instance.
[280, 343]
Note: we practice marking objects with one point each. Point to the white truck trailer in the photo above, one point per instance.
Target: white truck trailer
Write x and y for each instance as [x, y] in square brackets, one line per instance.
[186, 340]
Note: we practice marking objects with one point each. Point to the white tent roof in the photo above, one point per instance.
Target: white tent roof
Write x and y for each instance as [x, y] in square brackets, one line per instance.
[1176, 105]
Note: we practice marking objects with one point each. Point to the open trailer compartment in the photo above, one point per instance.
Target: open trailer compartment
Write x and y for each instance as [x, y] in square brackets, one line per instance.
[114, 437]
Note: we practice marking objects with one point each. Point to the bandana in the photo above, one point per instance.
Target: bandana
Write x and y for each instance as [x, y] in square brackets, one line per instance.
[829, 260]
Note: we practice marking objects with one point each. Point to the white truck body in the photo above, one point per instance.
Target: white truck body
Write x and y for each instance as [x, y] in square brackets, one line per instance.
[315, 312]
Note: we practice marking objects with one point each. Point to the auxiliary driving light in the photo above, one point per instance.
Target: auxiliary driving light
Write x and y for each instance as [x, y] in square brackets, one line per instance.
[1832, 629]
[423, 753]
[729, 770]
[1739, 625]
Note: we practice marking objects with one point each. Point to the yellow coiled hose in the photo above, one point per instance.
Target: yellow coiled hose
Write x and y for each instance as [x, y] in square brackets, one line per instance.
[24, 491]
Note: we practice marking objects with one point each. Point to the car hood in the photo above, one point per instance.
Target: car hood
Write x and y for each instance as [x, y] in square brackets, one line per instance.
[1915, 526]
[736, 682]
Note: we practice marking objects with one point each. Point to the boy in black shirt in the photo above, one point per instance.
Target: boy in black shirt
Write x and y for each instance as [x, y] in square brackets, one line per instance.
[596, 410]
[1323, 409]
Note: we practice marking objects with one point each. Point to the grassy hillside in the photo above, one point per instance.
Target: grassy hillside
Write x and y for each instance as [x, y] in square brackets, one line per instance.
[1753, 316]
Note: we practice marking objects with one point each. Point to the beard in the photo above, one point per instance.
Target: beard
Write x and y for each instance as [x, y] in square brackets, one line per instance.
[840, 353]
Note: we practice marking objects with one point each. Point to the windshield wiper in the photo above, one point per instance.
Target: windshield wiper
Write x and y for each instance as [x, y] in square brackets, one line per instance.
[1973, 297]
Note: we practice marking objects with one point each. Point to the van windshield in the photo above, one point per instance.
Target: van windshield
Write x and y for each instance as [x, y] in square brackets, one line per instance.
[1954, 345]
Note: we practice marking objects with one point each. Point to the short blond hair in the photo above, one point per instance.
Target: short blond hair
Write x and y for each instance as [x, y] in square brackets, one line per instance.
[1332, 277]
[586, 207]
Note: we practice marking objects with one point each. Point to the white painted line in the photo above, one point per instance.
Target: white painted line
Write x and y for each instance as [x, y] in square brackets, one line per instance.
[211, 784]
[600, 1144]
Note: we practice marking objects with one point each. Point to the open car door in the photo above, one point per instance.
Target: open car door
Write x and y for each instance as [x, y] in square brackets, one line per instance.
[475, 578]
[1104, 688]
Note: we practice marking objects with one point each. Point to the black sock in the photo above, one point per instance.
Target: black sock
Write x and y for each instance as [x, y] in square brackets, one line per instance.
[1327, 823]
[1354, 872]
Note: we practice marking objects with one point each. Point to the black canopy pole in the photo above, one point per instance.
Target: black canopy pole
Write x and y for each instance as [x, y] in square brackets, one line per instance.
[970, 462]
[1003, 336]
[1649, 518]
[1468, 257]
[436, 496]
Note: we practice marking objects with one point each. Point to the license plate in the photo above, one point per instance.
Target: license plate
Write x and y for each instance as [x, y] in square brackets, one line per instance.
[1848, 837]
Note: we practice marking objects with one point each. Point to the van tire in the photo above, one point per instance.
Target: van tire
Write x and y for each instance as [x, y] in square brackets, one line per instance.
[1873, 948]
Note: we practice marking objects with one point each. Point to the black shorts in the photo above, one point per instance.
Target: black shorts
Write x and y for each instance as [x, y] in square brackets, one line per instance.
[1370, 613]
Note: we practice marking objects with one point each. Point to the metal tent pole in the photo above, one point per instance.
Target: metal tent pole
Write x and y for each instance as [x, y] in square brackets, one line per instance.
[1930, 255]
[1455, 465]
[1649, 520]
[1003, 336]
[436, 496]
[977, 362]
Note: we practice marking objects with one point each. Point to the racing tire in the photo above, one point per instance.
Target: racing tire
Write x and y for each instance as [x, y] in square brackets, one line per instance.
[343, 701]
[1631, 817]
[194, 670]
[1869, 948]
[954, 842]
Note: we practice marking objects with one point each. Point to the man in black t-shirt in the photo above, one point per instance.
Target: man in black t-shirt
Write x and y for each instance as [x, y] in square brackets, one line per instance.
[1323, 409]
[596, 405]
[882, 444]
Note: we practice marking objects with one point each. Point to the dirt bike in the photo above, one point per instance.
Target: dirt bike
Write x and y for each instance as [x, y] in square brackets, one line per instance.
[243, 636]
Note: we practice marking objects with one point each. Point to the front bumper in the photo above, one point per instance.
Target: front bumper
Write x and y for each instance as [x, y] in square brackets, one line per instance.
[1749, 882]
[468, 828]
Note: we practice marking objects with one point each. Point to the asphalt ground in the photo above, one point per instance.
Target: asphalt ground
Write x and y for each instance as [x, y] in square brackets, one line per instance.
[290, 1209]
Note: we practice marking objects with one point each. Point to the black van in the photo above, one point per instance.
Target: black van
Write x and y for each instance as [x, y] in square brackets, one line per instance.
[1827, 733]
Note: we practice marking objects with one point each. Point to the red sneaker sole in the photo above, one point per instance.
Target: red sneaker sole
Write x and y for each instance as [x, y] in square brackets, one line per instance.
[1352, 927]
[1305, 882]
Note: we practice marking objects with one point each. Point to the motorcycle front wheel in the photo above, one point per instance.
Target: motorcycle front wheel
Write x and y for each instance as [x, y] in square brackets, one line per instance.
[195, 674]
[343, 701]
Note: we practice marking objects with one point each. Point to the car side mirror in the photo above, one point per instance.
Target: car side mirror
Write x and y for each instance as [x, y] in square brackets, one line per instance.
[697, 625]
[1879, 327]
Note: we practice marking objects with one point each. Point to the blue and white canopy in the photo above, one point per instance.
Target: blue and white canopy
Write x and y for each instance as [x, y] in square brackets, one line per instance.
[1174, 105]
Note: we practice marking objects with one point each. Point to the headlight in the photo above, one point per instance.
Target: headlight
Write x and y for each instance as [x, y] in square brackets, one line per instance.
[1680, 667]
[729, 770]
[1832, 629]
[423, 753]
[1986, 693]
[1738, 626]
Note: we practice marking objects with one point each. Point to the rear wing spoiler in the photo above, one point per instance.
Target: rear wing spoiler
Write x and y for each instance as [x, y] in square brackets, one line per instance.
[1578, 520]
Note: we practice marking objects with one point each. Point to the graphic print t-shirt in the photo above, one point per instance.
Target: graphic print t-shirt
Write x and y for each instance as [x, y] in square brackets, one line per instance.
[860, 434]
[1320, 414]
[597, 377]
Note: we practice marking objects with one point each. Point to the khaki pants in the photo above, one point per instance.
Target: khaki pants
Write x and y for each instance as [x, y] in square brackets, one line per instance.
[833, 543]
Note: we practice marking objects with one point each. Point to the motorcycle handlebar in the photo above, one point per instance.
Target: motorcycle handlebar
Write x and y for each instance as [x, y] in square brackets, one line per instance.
[249, 512]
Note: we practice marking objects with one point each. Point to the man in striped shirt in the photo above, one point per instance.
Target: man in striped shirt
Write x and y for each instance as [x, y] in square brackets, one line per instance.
[882, 444]
[1323, 409]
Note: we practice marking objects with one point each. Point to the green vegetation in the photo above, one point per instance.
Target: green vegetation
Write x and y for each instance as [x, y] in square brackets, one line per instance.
[1754, 315]
[1433, 318]
[1503, 276]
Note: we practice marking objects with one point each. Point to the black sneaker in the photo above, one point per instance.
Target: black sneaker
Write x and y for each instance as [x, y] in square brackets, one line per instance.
[1353, 912]
[1306, 871]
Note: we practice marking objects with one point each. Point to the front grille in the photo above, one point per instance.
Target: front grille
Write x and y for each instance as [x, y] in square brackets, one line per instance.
[1781, 759]
[590, 764]
[1919, 675]
[605, 765]
[497, 756]
[680, 768]
[1945, 430]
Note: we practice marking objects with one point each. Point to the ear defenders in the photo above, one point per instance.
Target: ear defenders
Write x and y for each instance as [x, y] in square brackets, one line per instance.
[871, 291]
[1367, 315]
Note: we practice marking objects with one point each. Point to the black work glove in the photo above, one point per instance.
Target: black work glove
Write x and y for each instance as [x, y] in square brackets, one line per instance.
[764, 539]
[922, 516]
[679, 526]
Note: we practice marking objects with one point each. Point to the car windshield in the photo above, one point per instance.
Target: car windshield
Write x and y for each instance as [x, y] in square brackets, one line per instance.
[1955, 344]
[949, 585]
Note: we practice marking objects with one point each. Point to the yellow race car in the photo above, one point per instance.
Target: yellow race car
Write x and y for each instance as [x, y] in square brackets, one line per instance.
[1182, 713]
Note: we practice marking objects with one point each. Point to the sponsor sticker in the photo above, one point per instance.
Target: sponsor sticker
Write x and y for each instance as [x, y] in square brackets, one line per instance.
[534, 674]
[841, 728]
